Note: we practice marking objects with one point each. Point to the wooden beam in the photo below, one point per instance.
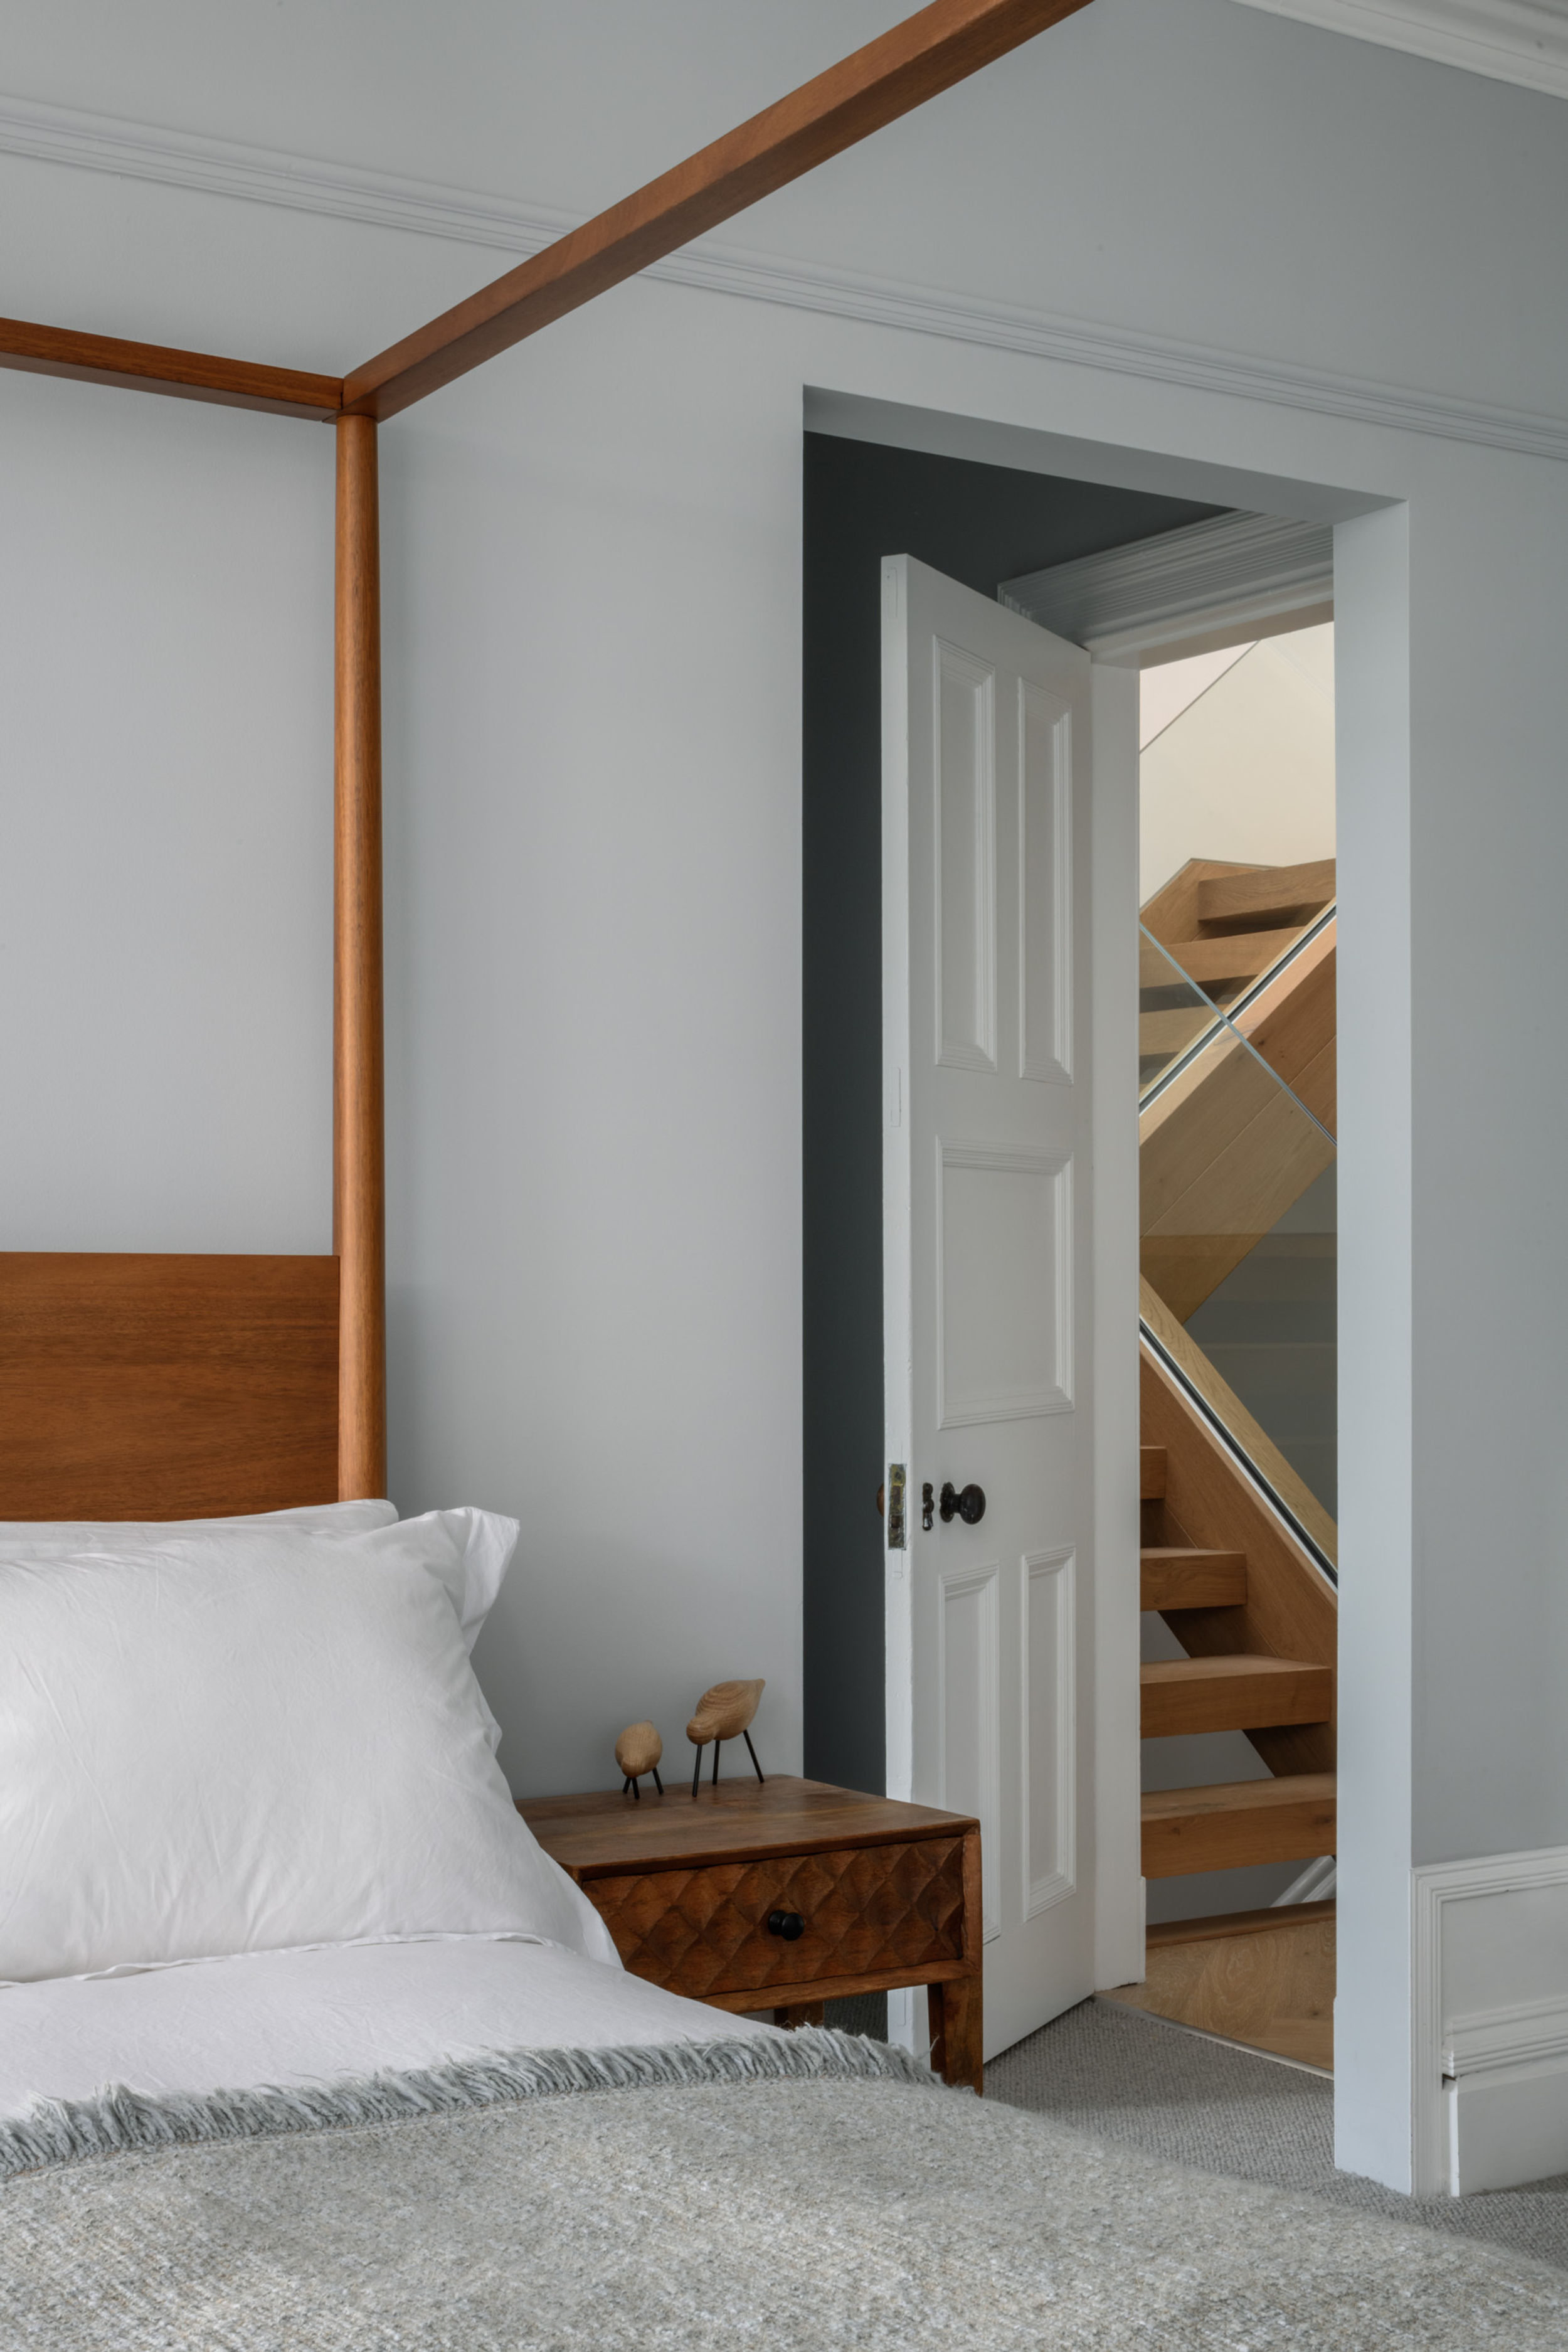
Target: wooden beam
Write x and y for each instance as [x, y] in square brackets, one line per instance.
[153, 367]
[890, 77]
[359, 1183]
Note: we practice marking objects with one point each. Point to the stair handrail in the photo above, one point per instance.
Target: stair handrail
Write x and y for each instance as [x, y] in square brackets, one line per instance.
[1221, 1019]
[1270, 1494]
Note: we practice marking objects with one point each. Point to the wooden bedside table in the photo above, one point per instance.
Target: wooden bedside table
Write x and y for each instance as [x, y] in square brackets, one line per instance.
[883, 1893]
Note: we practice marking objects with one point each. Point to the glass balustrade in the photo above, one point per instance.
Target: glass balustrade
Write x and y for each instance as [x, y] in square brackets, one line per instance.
[1237, 1211]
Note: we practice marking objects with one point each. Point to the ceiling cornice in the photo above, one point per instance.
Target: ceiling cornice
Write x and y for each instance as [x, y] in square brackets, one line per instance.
[179, 159]
[1239, 571]
[1523, 41]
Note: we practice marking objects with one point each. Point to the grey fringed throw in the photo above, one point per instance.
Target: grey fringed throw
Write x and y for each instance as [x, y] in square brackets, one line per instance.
[797, 2194]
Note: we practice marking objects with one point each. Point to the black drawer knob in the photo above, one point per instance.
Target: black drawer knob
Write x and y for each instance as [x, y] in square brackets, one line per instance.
[787, 1924]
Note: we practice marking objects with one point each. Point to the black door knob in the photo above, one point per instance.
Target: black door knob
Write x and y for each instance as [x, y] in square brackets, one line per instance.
[787, 1924]
[970, 1506]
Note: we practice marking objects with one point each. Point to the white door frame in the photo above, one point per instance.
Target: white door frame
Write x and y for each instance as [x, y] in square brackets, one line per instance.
[1387, 2051]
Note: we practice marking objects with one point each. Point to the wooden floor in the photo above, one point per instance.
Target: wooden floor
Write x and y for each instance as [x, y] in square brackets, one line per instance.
[1266, 1978]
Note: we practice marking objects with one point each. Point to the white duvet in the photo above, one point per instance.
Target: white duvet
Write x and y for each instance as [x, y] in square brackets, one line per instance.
[312, 2016]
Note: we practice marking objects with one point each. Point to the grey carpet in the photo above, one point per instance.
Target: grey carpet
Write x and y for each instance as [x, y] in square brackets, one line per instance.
[792, 2214]
[1130, 2079]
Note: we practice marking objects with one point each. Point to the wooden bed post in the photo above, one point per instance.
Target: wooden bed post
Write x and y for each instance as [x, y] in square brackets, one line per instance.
[359, 1175]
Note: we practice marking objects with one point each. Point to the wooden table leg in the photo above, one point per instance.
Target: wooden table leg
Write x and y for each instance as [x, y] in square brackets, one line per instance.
[802, 2012]
[956, 2013]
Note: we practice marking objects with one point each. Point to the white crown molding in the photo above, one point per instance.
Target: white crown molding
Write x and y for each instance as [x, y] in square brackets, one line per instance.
[98, 142]
[265, 176]
[1233, 573]
[1523, 41]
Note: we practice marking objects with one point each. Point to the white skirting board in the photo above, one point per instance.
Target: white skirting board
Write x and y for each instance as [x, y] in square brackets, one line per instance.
[1490, 1965]
[1507, 2126]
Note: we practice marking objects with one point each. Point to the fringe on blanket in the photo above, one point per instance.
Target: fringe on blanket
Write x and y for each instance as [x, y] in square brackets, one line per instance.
[62, 2131]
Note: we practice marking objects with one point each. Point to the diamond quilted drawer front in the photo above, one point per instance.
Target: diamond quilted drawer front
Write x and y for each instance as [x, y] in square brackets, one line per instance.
[705, 1930]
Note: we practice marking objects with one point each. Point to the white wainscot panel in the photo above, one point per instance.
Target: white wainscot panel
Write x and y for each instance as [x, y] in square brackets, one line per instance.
[964, 721]
[1045, 884]
[1004, 1284]
[1491, 1982]
[1048, 1658]
[968, 1693]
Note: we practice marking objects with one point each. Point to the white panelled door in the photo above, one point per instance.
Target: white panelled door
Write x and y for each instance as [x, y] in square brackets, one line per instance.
[987, 1267]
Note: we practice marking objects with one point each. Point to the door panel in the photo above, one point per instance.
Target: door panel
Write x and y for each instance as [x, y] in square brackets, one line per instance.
[968, 1674]
[986, 1262]
[964, 928]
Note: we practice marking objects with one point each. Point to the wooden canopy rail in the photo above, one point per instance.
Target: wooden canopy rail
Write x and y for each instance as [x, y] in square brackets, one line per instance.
[176, 1347]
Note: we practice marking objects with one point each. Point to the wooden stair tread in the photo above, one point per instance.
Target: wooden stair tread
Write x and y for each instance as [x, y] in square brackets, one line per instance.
[1242, 956]
[1237, 1823]
[1152, 1472]
[1267, 891]
[1165, 1935]
[1185, 1576]
[1242, 1796]
[1232, 1692]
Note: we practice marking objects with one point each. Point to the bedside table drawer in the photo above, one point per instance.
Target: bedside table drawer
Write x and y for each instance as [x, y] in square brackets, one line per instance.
[704, 1931]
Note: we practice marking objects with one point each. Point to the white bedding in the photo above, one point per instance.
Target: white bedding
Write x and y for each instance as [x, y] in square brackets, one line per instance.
[311, 2016]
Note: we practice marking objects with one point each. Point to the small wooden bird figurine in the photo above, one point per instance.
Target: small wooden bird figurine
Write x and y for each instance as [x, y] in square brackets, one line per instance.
[637, 1751]
[724, 1713]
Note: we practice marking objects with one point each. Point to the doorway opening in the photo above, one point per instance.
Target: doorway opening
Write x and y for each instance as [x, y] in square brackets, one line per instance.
[991, 532]
[1231, 621]
[1237, 1220]
[981, 525]
[978, 525]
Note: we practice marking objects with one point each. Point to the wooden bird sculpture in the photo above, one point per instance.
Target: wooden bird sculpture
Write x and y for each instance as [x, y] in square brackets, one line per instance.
[724, 1713]
[637, 1751]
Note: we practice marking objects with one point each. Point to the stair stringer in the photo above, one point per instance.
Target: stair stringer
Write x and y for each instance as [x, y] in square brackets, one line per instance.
[1291, 1610]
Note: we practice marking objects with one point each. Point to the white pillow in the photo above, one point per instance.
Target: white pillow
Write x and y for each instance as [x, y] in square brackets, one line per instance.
[486, 1541]
[251, 1742]
[78, 1534]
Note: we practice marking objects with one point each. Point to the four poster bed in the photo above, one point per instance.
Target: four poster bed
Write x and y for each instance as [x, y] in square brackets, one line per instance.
[288, 1994]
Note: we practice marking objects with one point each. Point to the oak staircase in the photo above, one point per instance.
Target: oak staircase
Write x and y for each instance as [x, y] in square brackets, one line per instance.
[1261, 1660]
[1223, 1156]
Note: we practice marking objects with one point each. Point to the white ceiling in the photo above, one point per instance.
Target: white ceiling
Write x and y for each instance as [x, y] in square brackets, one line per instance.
[1510, 40]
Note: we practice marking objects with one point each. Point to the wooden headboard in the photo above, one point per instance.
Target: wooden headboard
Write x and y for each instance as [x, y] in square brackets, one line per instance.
[166, 1388]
